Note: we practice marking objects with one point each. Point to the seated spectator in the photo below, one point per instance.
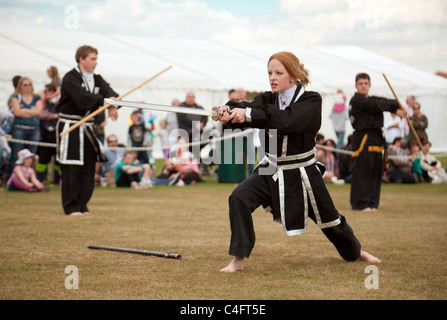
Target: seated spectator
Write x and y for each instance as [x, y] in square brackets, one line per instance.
[186, 164]
[432, 166]
[23, 177]
[168, 176]
[129, 173]
[400, 163]
[416, 155]
[114, 156]
[330, 161]
[180, 169]
[319, 140]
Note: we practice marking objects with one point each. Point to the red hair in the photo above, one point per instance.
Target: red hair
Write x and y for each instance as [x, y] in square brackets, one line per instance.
[293, 66]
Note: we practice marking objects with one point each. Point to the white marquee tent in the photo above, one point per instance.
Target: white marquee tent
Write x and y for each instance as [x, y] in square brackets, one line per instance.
[210, 69]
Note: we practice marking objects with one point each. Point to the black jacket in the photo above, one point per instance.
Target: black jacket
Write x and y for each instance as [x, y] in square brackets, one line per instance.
[75, 97]
[367, 113]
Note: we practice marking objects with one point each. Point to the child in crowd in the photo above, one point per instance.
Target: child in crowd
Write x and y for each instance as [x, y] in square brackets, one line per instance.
[137, 132]
[163, 133]
[432, 166]
[23, 177]
[186, 165]
[130, 173]
[416, 169]
[181, 168]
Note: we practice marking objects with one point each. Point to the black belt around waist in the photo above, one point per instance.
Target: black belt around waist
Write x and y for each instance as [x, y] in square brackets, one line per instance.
[75, 117]
[305, 157]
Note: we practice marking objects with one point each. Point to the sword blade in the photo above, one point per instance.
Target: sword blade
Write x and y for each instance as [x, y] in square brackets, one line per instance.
[214, 113]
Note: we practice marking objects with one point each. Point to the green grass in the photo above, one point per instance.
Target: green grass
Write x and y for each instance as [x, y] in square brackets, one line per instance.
[38, 242]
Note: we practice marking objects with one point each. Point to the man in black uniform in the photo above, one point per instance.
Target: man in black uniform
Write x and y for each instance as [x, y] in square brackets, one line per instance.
[82, 92]
[366, 115]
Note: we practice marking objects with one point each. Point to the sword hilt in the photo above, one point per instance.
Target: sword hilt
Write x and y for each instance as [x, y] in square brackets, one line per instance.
[215, 113]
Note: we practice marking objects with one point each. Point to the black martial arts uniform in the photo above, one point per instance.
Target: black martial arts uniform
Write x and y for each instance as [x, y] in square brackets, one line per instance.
[294, 190]
[79, 150]
[366, 115]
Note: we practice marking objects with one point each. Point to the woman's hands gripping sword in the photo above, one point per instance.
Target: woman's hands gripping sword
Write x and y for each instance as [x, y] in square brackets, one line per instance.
[236, 115]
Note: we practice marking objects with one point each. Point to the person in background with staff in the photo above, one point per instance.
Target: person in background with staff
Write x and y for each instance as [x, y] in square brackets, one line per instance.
[82, 92]
[295, 189]
[366, 115]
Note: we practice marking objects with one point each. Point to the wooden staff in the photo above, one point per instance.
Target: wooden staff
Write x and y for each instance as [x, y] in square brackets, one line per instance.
[144, 252]
[408, 119]
[99, 110]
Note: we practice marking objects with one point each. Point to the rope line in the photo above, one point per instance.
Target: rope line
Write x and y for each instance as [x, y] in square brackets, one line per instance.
[214, 140]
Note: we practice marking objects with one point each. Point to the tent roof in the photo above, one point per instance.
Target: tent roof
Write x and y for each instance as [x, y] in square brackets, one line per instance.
[206, 65]
[210, 69]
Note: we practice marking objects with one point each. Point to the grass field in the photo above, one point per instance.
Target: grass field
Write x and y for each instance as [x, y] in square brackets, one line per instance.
[409, 234]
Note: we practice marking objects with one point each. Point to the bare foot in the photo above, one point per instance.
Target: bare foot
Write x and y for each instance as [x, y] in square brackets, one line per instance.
[75, 214]
[237, 264]
[367, 209]
[365, 256]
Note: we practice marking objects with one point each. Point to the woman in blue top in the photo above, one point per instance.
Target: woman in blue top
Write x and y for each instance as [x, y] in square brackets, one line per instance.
[26, 107]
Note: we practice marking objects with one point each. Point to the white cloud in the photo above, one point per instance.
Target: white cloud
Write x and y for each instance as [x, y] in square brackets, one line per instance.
[186, 19]
[304, 7]
[409, 31]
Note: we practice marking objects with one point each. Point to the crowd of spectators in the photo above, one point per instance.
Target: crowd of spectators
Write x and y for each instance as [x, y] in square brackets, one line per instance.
[30, 122]
[32, 117]
[405, 161]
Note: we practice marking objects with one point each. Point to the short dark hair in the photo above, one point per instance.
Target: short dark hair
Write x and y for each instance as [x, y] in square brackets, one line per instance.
[319, 136]
[362, 76]
[397, 139]
[84, 51]
[15, 81]
[50, 87]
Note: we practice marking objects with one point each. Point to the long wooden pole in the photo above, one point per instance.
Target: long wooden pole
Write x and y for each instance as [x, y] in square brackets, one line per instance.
[144, 252]
[408, 119]
[99, 110]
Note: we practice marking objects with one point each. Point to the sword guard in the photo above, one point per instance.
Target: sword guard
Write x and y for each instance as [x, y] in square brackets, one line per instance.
[215, 113]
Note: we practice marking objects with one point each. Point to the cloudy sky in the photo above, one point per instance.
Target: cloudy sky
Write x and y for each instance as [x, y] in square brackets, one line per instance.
[413, 32]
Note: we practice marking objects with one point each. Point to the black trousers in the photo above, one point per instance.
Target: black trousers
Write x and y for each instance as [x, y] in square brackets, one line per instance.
[46, 153]
[367, 169]
[125, 180]
[253, 192]
[78, 181]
